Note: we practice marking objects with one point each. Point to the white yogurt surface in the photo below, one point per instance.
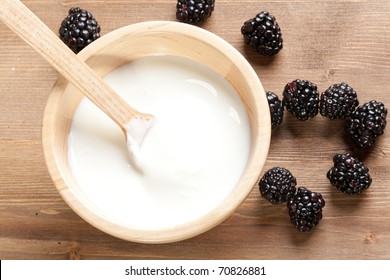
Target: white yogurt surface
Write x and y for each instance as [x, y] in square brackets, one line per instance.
[192, 157]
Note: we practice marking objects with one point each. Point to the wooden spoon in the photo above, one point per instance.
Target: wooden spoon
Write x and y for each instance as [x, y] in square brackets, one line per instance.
[31, 29]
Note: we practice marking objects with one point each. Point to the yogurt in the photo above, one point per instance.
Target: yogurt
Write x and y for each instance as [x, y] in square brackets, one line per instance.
[191, 158]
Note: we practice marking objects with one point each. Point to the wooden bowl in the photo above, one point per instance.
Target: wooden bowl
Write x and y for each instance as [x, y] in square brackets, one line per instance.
[149, 39]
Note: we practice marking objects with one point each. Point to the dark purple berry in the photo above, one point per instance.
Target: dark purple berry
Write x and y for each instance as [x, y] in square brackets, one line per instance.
[194, 11]
[277, 185]
[305, 209]
[338, 101]
[263, 34]
[367, 123]
[79, 29]
[276, 109]
[348, 174]
[301, 98]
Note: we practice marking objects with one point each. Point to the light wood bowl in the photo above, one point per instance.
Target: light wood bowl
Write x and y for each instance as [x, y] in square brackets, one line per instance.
[149, 39]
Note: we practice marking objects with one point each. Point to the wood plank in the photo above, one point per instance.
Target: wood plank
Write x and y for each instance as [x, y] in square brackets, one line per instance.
[325, 41]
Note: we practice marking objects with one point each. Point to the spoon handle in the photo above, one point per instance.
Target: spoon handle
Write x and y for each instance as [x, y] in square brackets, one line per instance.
[32, 30]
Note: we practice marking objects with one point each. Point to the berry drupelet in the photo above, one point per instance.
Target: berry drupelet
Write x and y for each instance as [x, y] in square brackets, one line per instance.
[277, 185]
[367, 123]
[338, 101]
[305, 209]
[79, 29]
[276, 109]
[301, 98]
[263, 34]
[194, 11]
[349, 175]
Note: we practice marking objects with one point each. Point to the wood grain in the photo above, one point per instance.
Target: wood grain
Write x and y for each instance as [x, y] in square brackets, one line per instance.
[325, 42]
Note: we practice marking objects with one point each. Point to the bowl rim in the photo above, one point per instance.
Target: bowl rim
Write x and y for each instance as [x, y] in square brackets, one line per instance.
[192, 228]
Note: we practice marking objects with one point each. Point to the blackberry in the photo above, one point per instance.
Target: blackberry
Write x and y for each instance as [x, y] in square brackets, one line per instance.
[276, 109]
[338, 101]
[79, 29]
[367, 123]
[277, 185]
[305, 209]
[300, 97]
[349, 175]
[263, 34]
[194, 11]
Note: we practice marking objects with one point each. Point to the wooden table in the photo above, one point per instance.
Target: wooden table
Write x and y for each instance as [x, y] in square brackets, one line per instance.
[325, 42]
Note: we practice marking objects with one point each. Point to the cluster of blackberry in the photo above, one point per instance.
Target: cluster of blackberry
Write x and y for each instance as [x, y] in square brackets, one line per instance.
[80, 28]
[278, 185]
[262, 32]
[349, 175]
[301, 98]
